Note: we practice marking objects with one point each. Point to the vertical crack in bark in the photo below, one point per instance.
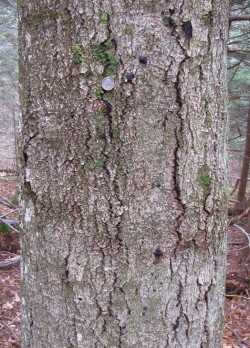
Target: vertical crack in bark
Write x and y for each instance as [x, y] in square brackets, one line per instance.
[87, 139]
[125, 300]
[179, 131]
[71, 238]
[71, 344]
[188, 324]
[180, 316]
[192, 135]
[176, 325]
[104, 326]
[207, 302]
[66, 270]
[26, 182]
[181, 7]
[31, 323]
[171, 268]
[108, 112]
[112, 312]
[178, 135]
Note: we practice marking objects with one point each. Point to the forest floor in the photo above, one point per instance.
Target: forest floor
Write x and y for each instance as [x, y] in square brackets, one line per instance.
[237, 294]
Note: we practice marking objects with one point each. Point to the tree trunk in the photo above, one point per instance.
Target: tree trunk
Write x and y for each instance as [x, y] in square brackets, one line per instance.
[123, 191]
[244, 170]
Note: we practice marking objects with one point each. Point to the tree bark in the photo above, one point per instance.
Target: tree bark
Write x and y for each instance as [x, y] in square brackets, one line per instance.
[123, 191]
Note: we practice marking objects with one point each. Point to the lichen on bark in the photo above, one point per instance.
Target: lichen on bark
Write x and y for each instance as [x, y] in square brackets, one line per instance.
[124, 234]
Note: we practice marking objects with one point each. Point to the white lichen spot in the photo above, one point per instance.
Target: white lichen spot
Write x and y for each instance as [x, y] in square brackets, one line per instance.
[29, 212]
[79, 337]
[84, 68]
[28, 40]
[27, 174]
[200, 281]
[23, 270]
[82, 82]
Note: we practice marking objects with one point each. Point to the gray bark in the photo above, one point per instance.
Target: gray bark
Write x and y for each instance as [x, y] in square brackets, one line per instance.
[124, 202]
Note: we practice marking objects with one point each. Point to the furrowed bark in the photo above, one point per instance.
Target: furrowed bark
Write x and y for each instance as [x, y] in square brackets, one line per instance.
[124, 201]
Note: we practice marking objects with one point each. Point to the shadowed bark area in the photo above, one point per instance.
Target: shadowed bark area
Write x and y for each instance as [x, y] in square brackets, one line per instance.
[124, 197]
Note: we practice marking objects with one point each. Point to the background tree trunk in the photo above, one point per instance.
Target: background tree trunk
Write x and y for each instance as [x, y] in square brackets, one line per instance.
[124, 202]
[244, 170]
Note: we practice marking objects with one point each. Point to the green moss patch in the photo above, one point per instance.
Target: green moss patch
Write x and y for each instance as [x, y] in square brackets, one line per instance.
[119, 175]
[104, 17]
[128, 30]
[99, 93]
[53, 15]
[205, 178]
[77, 53]
[100, 126]
[4, 228]
[115, 130]
[102, 53]
[169, 21]
[93, 164]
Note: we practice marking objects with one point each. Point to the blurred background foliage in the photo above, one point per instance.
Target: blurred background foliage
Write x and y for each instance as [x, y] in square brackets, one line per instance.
[9, 104]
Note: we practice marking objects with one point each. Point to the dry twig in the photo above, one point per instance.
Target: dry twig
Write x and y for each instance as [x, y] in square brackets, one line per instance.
[10, 262]
[239, 217]
[237, 336]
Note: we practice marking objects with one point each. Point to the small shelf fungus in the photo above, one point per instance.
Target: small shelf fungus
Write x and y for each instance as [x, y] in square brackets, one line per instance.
[129, 76]
[158, 253]
[143, 59]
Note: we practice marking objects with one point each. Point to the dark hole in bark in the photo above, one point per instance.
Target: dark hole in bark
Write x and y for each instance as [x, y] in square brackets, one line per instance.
[25, 157]
[108, 107]
[156, 184]
[111, 133]
[158, 252]
[144, 310]
[177, 323]
[187, 29]
[114, 43]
